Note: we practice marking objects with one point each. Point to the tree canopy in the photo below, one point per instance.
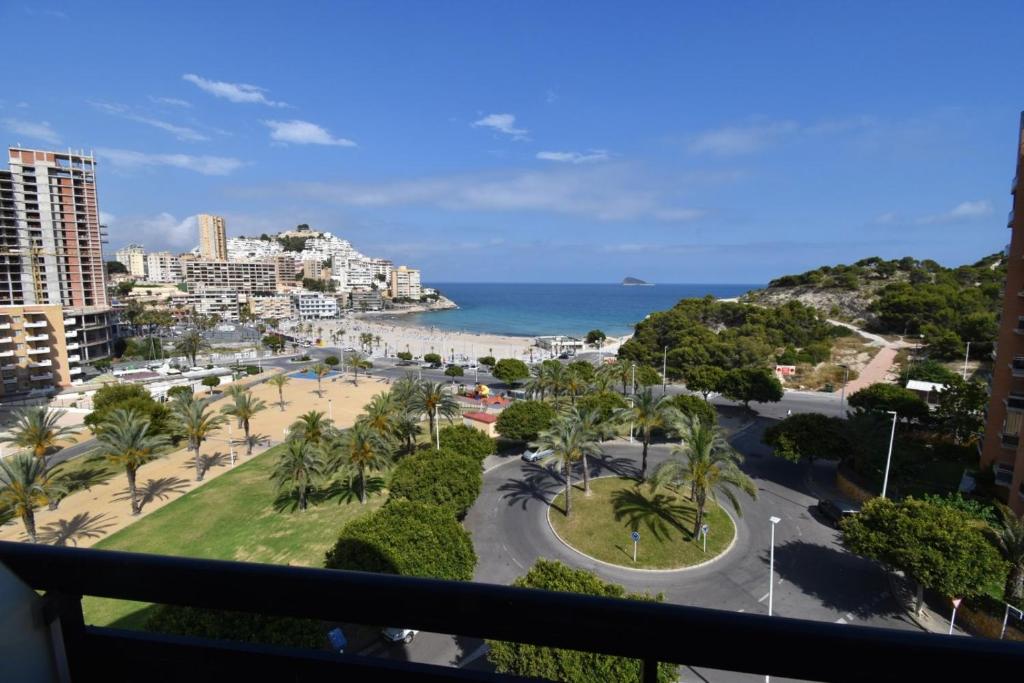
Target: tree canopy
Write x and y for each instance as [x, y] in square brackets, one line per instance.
[510, 370]
[751, 384]
[883, 397]
[574, 666]
[465, 440]
[443, 478]
[129, 397]
[524, 420]
[807, 436]
[407, 538]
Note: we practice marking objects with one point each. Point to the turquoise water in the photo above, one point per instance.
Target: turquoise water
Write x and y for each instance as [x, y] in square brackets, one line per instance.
[536, 309]
[309, 374]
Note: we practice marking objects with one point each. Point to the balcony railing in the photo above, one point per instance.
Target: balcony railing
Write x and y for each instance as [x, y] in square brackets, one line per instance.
[1002, 473]
[73, 346]
[38, 337]
[1009, 440]
[41, 377]
[38, 350]
[38, 323]
[648, 631]
[1009, 219]
[1015, 401]
[75, 370]
[1017, 366]
[40, 363]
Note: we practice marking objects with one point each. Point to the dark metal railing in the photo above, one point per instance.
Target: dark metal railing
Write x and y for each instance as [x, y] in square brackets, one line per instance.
[650, 632]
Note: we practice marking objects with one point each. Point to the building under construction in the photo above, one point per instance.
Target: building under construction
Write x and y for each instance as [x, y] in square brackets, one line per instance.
[51, 251]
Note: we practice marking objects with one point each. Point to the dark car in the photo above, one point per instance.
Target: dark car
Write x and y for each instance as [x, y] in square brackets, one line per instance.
[835, 511]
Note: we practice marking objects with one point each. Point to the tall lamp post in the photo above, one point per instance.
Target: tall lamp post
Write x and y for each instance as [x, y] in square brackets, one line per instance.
[842, 391]
[967, 354]
[888, 459]
[771, 574]
[664, 371]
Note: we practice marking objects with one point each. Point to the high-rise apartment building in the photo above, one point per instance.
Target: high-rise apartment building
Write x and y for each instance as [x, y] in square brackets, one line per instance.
[405, 283]
[1001, 447]
[163, 266]
[245, 277]
[51, 245]
[213, 240]
[133, 257]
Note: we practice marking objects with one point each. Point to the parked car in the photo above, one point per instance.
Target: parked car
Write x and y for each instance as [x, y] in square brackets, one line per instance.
[399, 635]
[836, 511]
[534, 456]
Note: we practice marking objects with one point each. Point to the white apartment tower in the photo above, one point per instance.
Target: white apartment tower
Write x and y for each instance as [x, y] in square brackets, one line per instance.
[133, 257]
[213, 241]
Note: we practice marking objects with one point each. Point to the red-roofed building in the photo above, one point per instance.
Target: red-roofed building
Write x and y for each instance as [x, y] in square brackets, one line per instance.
[485, 422]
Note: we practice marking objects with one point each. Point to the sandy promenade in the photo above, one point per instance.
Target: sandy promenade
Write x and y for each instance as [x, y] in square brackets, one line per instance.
[396, 335]
[87, 516]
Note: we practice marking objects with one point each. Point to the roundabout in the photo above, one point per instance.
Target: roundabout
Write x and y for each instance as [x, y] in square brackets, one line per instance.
[600, 526]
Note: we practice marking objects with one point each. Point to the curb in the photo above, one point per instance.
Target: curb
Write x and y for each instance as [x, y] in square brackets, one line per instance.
[679, 570]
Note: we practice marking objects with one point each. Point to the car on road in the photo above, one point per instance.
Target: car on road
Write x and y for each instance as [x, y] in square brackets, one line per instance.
[836, 511]
[399, 635]
[534, 456]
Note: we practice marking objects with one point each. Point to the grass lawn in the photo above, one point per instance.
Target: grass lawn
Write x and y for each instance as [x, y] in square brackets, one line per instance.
[600, 525]
[233, 517]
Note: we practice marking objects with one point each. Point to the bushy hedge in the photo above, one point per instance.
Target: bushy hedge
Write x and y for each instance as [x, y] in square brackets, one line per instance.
[694, 408]
[466, 441]
[237, 626]
[523, 420]
[407, 538]
[445, 478]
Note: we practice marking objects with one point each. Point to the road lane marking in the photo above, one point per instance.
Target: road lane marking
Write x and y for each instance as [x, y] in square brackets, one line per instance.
[764, 597]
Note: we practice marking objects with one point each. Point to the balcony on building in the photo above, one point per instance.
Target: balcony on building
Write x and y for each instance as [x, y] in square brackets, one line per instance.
[1009, 219]
[68, 334]
[1019, 329]
[38, 337]
[6, 340]
[38, 350]
[1009, 440]
[41, 377]
[31, 324]
[6, 354]
[10, 380]
[5, 326]
[75, 370]
[1003, 473]
[74, 359]
[69, 322]
[43, 363]
[73, 346]
[1015, 401]
[44, 585]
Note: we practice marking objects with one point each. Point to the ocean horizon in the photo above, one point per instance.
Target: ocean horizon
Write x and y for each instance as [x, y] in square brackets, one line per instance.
[532, 309]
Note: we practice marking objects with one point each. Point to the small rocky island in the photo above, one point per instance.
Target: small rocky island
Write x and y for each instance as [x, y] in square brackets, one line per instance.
[635, 282]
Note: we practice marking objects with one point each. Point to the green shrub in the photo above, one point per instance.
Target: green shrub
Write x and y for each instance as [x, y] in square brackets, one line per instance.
[431, 358]
[444, 478]
[407, 538]
[237, 626]
[694, 407]
[466, 440]
[252, 370]
[523, 420]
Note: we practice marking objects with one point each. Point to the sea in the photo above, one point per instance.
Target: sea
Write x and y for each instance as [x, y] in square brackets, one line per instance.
[529, 310]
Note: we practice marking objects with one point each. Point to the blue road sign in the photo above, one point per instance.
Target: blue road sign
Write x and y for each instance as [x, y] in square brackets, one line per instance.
[635, 536]
[704, 529]
[338, 639]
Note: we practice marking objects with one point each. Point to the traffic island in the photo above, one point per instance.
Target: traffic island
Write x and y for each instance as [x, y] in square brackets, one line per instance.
[603, 525]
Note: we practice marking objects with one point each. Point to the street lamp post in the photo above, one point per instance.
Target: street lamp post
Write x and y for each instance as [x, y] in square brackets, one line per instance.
[664, 372]
[842, 391]
[330, 409]
[437, 429]
[888, 459]
[633, 389]
[771, 574]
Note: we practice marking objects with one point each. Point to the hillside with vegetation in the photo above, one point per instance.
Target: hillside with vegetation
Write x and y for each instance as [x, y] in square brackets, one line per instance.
[948, 306]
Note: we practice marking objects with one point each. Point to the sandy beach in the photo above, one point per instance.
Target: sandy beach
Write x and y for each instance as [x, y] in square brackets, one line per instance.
[396, 335]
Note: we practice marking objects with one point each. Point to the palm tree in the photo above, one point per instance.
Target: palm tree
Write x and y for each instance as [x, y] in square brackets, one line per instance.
[598, 429]
[360, 448]
[37, 429]
[435, 401]
[358, 364]
[312, 427]
[191, 344]
[569, 440]
[706, 462]
[539, 383]
[381, 413]
[24, 484]
[126, 441]
[197, 423]
[647, 414]
[406, 429]
[279, 381]
[243, 407]
[300, 466]
[320, 370]
[1009, 538]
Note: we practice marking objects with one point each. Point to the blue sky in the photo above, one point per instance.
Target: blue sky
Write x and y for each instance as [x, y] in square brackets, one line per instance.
[536, 141]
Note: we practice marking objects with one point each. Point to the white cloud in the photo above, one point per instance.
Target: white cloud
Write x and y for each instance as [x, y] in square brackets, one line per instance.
[732, 140]
[601, 192]
[233, 92]
[172, 101]
[206, 165]
[304, 133]
[37, 130]
[183, 133]
[503, 123]
[575, 157]
[964, 211]
[160, 231]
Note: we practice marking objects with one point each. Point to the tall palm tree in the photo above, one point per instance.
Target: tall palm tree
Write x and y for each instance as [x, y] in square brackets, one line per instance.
[404, 388]
[706, 462]
[191, 344]
[197, 423]
[312, 426]
[358, 364]
[569, 440]
[320, 370]
[23, 486]
[126, 441]
[597, 428]
[300, 466]
[647, 414]
[38, 430]
[360, 448]
[382, 413]
[574, 385]
[406, 429]
[435, 401]
[279, 381]
[539, 383]
[243, 407]
[1009, 538]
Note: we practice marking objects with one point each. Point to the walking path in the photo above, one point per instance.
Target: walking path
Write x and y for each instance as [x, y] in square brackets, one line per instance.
[89, 515]
[881, 367]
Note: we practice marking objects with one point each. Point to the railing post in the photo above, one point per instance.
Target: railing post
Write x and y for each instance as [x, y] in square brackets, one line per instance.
[649, 671]
[67, 630]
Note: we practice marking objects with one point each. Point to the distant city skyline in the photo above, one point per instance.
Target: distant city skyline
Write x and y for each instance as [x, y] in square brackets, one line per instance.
[538, 143]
